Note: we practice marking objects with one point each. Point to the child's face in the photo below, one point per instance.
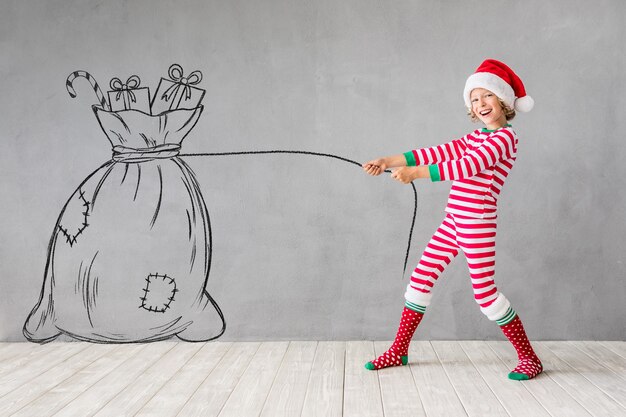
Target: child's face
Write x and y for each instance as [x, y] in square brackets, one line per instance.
[487, 108]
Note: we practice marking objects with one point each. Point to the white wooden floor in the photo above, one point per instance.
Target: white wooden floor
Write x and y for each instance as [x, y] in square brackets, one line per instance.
[273, 379]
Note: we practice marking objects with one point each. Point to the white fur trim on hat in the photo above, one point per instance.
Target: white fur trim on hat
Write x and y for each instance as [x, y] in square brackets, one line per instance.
[497, 309]
[490, 82]
[524, 104]
[417, 297]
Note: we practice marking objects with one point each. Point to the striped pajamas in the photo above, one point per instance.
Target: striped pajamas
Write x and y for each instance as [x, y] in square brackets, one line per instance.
[476, 238]
[477, 164]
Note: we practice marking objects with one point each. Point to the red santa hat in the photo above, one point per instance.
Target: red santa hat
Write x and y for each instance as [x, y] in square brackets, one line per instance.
[498, 78]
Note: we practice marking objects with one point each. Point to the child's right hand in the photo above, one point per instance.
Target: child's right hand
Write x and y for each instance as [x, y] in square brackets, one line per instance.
[375, 166]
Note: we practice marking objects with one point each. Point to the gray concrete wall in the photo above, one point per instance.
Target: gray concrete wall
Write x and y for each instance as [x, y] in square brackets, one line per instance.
[309, 247]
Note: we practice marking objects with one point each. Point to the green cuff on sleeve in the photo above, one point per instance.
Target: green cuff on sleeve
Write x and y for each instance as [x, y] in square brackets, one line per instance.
[434, 173]
[410, 159]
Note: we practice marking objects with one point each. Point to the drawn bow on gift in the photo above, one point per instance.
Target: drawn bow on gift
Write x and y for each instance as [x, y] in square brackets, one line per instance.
[175, 73]
[126, 89]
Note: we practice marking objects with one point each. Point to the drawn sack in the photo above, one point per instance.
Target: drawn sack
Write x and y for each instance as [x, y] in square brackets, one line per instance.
[130, 254]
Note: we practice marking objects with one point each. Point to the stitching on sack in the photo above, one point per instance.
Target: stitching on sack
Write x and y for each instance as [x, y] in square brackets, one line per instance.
[159, 293]
[72, 238]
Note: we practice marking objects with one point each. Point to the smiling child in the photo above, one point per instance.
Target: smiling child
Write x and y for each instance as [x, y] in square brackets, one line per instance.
[478, 165]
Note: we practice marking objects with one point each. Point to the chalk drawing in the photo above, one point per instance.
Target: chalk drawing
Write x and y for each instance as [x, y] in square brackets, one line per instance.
[126, 209]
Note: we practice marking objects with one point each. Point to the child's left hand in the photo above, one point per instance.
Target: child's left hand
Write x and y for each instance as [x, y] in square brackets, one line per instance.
[405, 175]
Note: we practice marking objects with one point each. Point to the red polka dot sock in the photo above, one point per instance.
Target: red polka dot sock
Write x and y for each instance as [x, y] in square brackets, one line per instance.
[528, 365]
[398, 353]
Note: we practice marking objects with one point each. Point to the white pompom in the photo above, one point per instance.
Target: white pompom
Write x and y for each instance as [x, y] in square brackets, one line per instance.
[524, 104]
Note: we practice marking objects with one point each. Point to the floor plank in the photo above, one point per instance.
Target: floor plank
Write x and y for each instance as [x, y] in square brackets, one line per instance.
[168, 401]
[308, 379]
[551, 396]
[514, 397]
[248, 397]
[575, 360]
[606, 356]
[618, 347]
[474, 393]
[16, 358]
[210, 397]
[37, 362]
[34, 388]
[67, 391]
[286, 397]
[324, 396]
[361, 389]
[10, 350]
[134, 396]
[397, 388]
[438, 396]
[99, 394]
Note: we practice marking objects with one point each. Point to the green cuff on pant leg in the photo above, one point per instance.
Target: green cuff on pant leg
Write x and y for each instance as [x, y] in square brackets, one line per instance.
[415, 307]
[508, 317]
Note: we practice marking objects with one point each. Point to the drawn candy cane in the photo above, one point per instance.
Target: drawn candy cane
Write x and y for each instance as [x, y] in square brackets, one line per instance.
[94, 85]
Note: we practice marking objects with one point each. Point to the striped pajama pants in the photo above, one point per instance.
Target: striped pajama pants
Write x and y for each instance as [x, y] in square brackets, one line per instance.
[476, 238]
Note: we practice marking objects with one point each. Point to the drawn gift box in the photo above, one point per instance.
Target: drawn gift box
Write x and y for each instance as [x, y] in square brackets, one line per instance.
[178, 92]
[129, 96]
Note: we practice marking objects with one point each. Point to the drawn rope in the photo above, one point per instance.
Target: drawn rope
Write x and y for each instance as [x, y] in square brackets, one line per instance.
[94, 85]
[326, 155]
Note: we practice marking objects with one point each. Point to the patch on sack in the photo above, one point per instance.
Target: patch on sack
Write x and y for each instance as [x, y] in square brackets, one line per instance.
[77, 213]
[158, 293]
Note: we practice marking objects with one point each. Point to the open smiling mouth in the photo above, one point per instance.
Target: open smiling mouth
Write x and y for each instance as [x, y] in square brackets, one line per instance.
[485, 112]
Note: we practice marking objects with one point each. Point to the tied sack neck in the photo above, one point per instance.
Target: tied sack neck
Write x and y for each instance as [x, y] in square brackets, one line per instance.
[136, 155]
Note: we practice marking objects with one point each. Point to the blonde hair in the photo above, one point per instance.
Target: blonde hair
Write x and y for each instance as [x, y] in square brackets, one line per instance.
[509, 113]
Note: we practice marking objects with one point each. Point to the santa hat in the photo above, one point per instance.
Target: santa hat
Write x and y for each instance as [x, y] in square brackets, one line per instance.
[496, 77]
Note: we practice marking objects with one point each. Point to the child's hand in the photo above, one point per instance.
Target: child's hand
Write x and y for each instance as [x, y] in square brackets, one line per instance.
[406, 174]
[375, 166]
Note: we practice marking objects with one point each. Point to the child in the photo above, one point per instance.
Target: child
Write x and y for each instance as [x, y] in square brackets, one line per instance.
[477, 165]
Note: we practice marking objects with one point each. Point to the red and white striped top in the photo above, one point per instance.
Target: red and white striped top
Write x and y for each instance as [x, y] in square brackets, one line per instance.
[478, 164]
